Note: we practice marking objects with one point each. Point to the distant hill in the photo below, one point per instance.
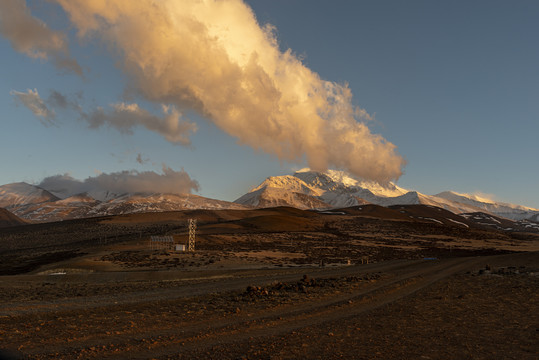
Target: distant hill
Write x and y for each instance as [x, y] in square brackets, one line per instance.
[8, 219]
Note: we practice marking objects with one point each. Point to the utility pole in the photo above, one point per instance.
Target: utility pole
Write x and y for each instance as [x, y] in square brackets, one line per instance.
[192, 231]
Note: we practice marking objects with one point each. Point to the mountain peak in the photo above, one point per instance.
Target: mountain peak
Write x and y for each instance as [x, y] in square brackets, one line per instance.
[333, 180]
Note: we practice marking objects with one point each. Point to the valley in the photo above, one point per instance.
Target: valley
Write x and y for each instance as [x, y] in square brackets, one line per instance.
[277, 283]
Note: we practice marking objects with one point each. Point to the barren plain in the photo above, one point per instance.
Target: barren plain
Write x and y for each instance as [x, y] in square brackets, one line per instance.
[281, 283]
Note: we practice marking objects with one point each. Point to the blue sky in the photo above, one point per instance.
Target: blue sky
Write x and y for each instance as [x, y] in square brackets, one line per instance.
[453, 85]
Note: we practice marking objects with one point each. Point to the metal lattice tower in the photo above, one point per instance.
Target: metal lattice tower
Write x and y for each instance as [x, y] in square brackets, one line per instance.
[192, 231]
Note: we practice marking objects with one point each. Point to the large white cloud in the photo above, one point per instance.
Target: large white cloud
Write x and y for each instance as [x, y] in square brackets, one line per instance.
[213, 56]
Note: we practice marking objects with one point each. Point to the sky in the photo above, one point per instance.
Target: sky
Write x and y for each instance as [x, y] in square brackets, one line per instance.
[212, 97]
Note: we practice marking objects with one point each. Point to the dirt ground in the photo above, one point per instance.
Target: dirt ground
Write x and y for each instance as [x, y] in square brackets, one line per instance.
[260, 289]
[430, 309]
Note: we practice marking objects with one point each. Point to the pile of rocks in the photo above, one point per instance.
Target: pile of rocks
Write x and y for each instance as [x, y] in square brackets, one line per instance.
[508, 271]
[305, 285]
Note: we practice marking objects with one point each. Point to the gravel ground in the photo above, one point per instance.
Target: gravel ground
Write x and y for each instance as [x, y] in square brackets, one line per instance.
[477, 308]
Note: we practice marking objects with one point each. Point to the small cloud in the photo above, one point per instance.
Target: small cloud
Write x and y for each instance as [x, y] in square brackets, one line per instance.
[140, 160]
[34, 103]
[61, 101]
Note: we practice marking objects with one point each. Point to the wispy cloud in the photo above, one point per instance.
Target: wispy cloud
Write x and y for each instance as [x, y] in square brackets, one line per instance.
[35, 103]
[169, 181]
[483, 197]
[214, 57]
[121, 116]
[124, 117]
[63, 102]
[141, 160]
[33, 37]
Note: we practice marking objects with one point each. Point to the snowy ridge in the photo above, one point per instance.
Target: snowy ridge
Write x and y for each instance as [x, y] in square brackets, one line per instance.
[510, 211]
[23, 194]
[333, 179]
[336, 189]
[35, 204]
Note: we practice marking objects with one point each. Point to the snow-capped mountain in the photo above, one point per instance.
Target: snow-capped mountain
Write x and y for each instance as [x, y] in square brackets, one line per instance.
[308, 189]
[510, 211]
[311, 190]
[33, 203]
[304, 189]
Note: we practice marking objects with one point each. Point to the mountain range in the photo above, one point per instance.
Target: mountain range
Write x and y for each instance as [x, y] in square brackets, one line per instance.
[30, 202]
[305, 189]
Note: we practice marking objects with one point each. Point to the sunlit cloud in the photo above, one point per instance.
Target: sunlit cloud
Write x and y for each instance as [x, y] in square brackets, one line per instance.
[34, 103]
[33, 37]
[215, 58]
[483, 197]
[169, 182]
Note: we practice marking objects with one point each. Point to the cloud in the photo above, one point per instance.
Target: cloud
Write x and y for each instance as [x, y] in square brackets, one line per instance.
[483, 197]
[121, 116]
[33, 37]
[63, 102]
[215, 58]
[169, 182]
[140, 160]
[34, 103]
[124, 117]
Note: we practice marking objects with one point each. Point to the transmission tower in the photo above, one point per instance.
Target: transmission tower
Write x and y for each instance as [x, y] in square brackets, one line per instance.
[192, 231]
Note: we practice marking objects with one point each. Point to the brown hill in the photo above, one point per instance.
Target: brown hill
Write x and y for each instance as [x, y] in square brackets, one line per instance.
[8, 219]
